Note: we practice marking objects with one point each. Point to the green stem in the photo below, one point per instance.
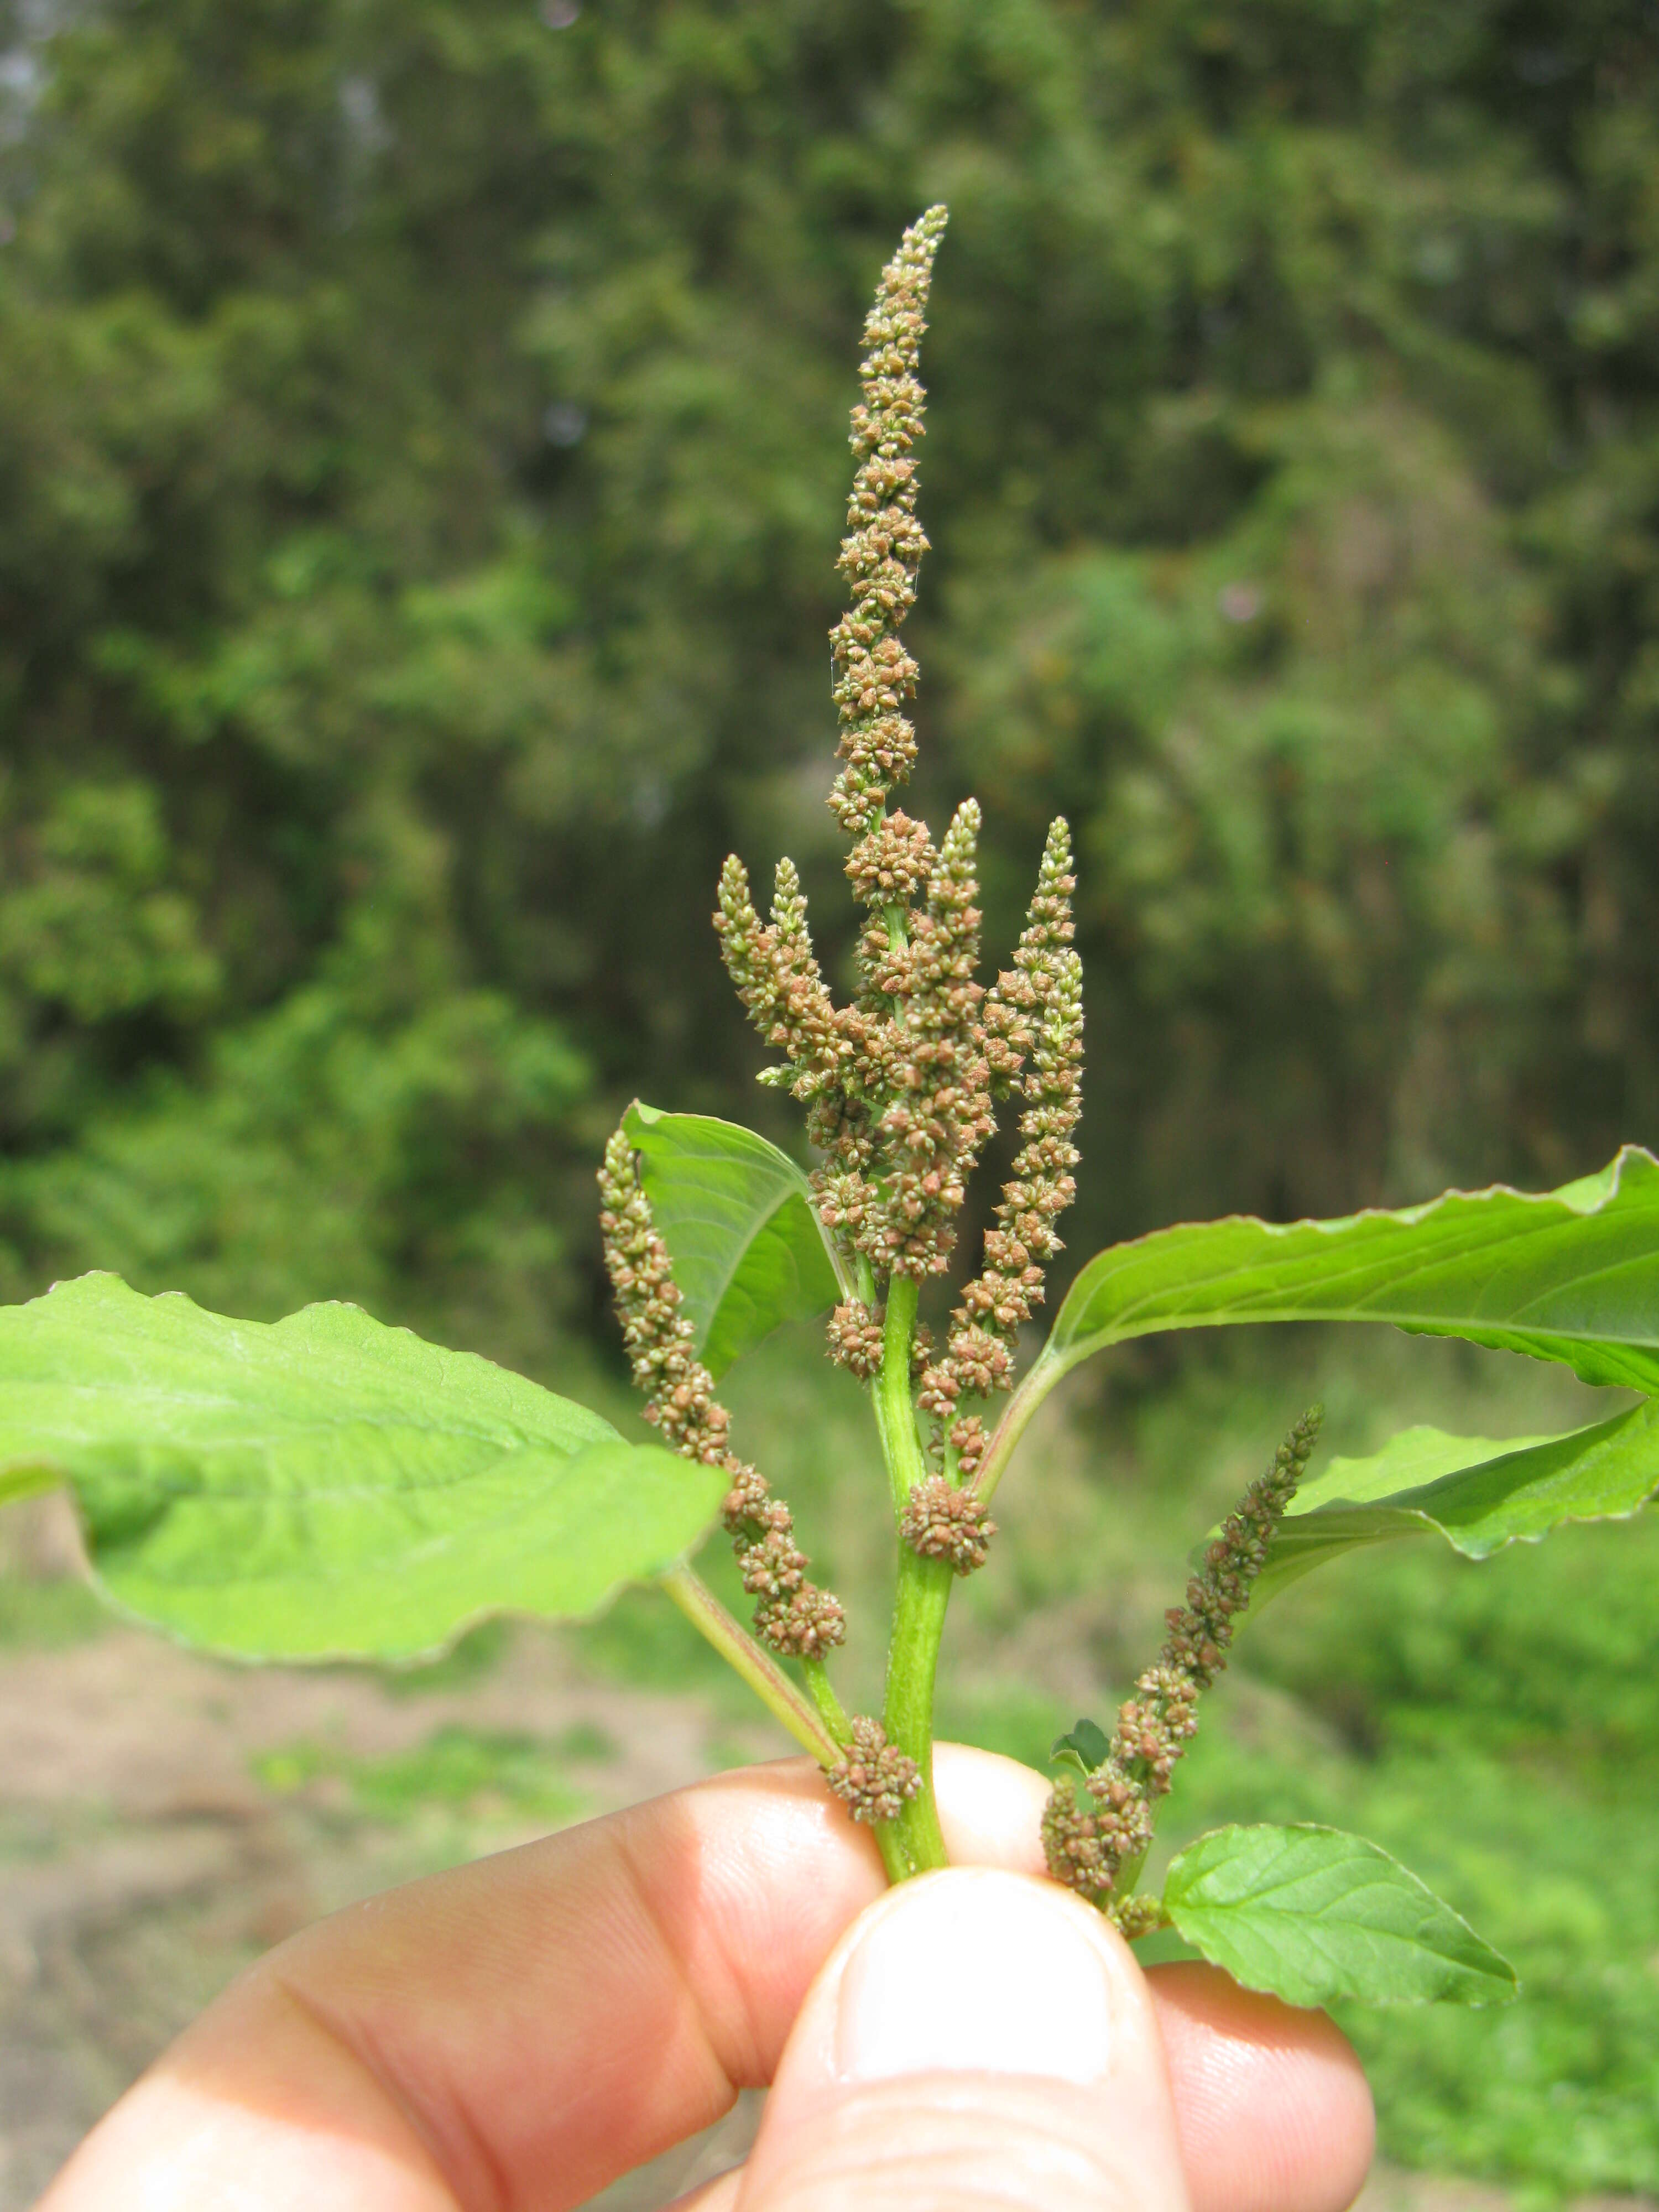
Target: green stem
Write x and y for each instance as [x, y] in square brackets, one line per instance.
[895, 1851]
[757, 1667]
[896, 1412]
[913, 1843]
[1047, 1372]
[830, 1708]
[923, 1593]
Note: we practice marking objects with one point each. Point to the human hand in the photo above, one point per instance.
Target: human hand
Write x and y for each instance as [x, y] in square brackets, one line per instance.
[512, 2036]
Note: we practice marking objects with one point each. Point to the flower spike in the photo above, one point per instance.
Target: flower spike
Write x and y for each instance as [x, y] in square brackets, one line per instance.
[792, 1615]
[1090, 1850]
[1030, 1038]
[883, 549]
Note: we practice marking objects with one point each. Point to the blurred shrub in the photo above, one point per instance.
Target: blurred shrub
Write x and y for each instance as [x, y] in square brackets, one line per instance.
[420, 466]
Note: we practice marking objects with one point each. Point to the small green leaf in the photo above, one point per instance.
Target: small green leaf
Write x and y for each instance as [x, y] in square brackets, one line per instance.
[323, 1486]
[1570, 1275]
[1480, 1494]
[735, 1212]
[1085, 1747]
[1310, 1915]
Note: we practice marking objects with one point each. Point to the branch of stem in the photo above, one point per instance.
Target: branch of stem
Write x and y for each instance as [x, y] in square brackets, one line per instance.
[831, 1710]
[1016, 1415]
[757, 1665]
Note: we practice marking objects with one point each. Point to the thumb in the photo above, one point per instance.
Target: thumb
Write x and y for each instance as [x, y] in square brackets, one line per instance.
[976, 2039]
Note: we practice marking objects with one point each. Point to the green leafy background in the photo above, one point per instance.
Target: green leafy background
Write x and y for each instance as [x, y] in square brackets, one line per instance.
[380, 688]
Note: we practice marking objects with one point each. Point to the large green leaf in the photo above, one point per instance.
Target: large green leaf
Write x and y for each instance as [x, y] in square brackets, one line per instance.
[1570, 1275]
[1476, 1492]
[736, 1215]
[1311, 1915]
[324, 1487]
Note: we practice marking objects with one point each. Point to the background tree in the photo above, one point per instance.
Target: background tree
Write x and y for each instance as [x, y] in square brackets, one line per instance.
[419, 475]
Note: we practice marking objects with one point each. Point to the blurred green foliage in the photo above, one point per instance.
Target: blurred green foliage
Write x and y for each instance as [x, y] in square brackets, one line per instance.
[456, 1768]
[421, 469]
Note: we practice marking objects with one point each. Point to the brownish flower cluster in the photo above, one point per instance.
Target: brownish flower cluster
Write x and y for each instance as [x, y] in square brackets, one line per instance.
[883, 549]
[1087, 1847]
[855, 1339]
[873, 1777]
[896, 1089]
[935, 1095]
[778, 979]
[897, 1085]
[941, 1521]
[1032, 1039]
[792, 1615]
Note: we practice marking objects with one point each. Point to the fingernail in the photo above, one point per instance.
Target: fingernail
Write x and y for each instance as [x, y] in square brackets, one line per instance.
[977, 1971]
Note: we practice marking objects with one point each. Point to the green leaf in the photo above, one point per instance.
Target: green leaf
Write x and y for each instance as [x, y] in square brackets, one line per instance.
[1085, 1747]
[1409, 1461]
[1570, 1275]
[1310, 1915]
[326, 1487]
[735, 1212]
[1475, 1491]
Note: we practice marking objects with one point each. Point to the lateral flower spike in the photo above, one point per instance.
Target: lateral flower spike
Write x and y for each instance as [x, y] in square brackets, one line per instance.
[939, 1084]
[1013, 1006]
[830, 1052]
[1089, 1847]
[778, 979]
[883, 549]
[792, 1615]
[1030, 1039]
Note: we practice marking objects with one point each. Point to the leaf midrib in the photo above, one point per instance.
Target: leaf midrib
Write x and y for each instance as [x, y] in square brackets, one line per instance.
[760, 1222]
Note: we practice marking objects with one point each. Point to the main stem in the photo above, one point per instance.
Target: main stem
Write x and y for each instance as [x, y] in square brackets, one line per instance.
[912, 1843]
